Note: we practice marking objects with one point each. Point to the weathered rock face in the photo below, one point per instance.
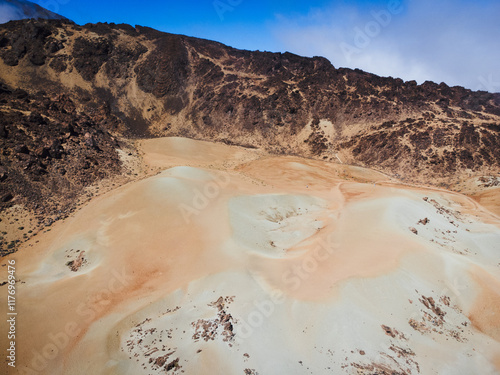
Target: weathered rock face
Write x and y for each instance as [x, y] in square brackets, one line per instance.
[443, 146]
[164, 84]
[50, 151]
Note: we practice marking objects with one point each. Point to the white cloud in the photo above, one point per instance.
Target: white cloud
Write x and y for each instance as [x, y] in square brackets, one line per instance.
[443, 40]
[9, 13]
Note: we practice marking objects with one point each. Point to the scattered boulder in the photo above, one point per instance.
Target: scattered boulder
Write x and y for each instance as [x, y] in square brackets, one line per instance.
[75, 265]
[424, 221]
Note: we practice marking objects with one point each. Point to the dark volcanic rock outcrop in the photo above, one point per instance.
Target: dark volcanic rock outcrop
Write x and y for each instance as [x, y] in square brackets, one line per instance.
[50, 151]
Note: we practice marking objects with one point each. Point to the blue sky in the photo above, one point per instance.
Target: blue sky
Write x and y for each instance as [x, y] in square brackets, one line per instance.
[455, 41]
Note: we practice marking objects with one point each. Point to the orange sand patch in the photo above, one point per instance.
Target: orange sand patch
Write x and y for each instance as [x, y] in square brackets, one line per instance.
[485, 316]
[490, 199]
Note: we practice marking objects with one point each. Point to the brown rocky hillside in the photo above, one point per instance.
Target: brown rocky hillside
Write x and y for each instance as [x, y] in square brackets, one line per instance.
[164, 84]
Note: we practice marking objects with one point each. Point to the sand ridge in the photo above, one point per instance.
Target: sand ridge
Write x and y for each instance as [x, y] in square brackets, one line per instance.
[242, 262]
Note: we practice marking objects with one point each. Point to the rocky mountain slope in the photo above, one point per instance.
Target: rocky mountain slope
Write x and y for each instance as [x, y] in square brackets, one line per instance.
[47, 145]
[50, 153]
[85, 87]
[164, 84]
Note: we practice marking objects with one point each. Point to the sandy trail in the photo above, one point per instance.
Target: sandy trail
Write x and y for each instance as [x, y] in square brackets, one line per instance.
[490, 199]
[233, 261]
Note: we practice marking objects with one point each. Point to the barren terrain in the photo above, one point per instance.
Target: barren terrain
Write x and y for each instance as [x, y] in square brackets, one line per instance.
[218, 259]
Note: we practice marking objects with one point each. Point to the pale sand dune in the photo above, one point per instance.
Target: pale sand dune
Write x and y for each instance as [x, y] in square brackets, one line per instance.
[277, 265]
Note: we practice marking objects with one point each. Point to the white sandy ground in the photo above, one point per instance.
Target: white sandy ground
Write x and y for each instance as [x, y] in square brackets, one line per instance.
[241, 263]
